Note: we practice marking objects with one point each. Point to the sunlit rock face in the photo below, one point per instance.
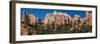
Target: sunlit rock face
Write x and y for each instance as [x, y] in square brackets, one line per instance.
[56, 18]
[89, 17]
[31, 21]
[76, 19]
[32, 18]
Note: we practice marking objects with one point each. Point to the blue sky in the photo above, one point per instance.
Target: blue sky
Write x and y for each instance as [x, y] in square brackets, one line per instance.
[41, 13]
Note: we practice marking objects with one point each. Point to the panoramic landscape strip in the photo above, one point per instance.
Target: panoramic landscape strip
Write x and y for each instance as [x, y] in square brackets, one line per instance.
[49, 21]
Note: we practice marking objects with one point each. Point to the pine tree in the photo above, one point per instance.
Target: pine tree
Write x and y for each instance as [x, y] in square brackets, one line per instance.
[27, 21]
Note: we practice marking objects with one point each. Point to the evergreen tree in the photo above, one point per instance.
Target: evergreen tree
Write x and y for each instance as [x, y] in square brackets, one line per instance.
[27, 20]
